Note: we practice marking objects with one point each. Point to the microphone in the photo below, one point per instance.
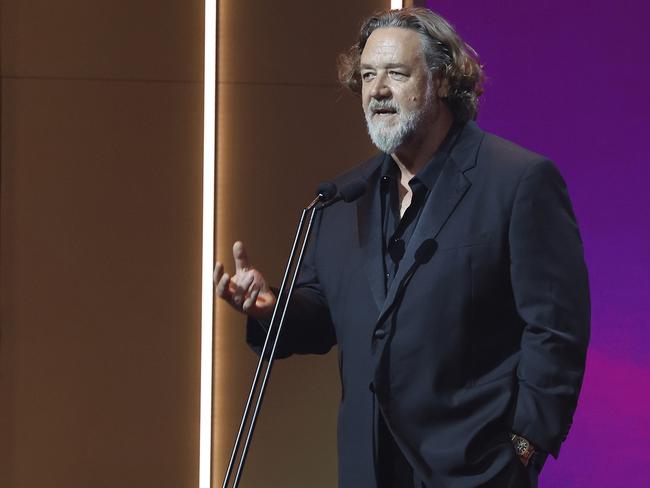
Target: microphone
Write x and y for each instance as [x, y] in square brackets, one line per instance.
[326, 191]
[353, 190]
[348, 193]
[425, 251]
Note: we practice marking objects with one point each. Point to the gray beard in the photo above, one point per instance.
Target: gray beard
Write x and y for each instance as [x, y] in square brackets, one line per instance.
[389, 138]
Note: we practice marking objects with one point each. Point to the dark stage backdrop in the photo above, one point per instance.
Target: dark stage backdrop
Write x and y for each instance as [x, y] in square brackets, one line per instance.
[569, 79]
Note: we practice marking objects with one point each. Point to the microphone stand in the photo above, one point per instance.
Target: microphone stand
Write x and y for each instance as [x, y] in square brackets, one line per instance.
[310, 211]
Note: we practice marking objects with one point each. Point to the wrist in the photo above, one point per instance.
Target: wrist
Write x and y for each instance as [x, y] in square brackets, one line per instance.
[523, 448]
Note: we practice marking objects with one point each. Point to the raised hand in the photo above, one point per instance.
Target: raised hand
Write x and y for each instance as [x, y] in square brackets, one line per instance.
[247, 290]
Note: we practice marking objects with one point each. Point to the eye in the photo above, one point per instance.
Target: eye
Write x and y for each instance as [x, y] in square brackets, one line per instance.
[367, 75]
[398, 75]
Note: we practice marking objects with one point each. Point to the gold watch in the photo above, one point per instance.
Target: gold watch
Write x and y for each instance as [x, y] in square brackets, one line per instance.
[523, 448]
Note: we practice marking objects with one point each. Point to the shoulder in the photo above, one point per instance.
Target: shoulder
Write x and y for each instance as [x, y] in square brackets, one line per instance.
[498, 149]
[501, 159]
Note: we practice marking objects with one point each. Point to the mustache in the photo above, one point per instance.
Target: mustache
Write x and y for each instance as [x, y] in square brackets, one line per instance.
[376, 105]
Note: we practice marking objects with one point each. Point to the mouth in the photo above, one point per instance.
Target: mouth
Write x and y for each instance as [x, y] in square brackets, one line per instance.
[383, 114]
[384, 111]
[383, 108]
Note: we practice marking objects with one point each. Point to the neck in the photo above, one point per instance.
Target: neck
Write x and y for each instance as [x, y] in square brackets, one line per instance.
[412, 157]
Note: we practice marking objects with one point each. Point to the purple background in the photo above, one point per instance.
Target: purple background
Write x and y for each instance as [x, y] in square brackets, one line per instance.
[570, 80]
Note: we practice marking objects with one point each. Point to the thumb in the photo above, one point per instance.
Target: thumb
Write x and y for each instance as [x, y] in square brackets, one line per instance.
[241, 258]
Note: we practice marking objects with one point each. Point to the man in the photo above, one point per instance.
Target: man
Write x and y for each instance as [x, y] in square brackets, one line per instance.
[455, 288]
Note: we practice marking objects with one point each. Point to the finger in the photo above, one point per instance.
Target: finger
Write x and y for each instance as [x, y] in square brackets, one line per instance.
[241, 258]
[242, 288]
[252, 298]
[218, 271]
[252, 292]
[223, 290]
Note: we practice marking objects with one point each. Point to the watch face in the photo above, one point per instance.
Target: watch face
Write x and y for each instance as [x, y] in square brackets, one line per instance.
[521, 446]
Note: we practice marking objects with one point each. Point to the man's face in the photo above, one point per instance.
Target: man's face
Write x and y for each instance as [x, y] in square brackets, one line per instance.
[397, 86]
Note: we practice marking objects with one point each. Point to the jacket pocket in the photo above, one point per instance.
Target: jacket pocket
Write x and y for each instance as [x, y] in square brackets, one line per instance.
[506, 369]
[467, 241]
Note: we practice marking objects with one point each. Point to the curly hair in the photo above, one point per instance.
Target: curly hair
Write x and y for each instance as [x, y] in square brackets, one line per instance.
[443, 48]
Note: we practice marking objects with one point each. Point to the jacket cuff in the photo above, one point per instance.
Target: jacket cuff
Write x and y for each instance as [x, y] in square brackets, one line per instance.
[544, 419]
[256, 332]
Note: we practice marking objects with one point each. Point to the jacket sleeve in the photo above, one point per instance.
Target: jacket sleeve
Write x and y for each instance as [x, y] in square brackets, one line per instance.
[308, 328]
[550, 286]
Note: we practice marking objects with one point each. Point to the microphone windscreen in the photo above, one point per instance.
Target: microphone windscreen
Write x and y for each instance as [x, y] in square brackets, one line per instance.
[425, 252]
[353, 190]
[326, 190]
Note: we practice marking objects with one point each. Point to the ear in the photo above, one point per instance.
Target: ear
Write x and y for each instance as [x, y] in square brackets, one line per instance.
[443, 88]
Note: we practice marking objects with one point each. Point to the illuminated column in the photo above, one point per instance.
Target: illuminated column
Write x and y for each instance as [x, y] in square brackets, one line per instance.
[207, 256]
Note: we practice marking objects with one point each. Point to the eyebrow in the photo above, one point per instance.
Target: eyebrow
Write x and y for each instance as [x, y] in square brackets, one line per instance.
[386, 66]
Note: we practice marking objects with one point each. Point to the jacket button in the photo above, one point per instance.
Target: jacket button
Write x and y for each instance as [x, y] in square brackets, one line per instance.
[371, 387]
[380, 334]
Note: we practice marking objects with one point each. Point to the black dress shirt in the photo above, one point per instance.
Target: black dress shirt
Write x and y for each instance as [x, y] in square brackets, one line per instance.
[396, 230]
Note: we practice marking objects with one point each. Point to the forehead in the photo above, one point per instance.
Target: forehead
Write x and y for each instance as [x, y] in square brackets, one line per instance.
[392, 45]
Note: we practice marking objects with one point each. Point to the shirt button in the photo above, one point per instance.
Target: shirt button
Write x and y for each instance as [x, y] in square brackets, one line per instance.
[380, 334]
[387, 275]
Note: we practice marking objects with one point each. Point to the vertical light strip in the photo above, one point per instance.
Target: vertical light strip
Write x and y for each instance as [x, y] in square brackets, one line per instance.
[207, 294]
[396, 4]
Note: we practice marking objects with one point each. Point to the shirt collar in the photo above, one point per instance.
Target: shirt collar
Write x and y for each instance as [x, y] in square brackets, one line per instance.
[428, 175]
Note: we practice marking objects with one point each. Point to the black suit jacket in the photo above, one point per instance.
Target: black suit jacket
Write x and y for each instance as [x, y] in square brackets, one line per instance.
[485, 337]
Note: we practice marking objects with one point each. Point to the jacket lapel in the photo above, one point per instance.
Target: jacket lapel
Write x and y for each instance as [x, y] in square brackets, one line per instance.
[369, 232]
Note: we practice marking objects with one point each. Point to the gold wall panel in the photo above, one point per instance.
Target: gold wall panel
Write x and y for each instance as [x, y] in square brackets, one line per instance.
[100, 262]
[124, 39]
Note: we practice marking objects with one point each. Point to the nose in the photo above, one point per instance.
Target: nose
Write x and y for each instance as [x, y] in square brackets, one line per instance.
[379, 89]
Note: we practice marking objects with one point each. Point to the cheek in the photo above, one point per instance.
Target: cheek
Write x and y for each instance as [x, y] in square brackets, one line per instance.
[365, 101]
[411, 101]
[416, 100]
[411, 97]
